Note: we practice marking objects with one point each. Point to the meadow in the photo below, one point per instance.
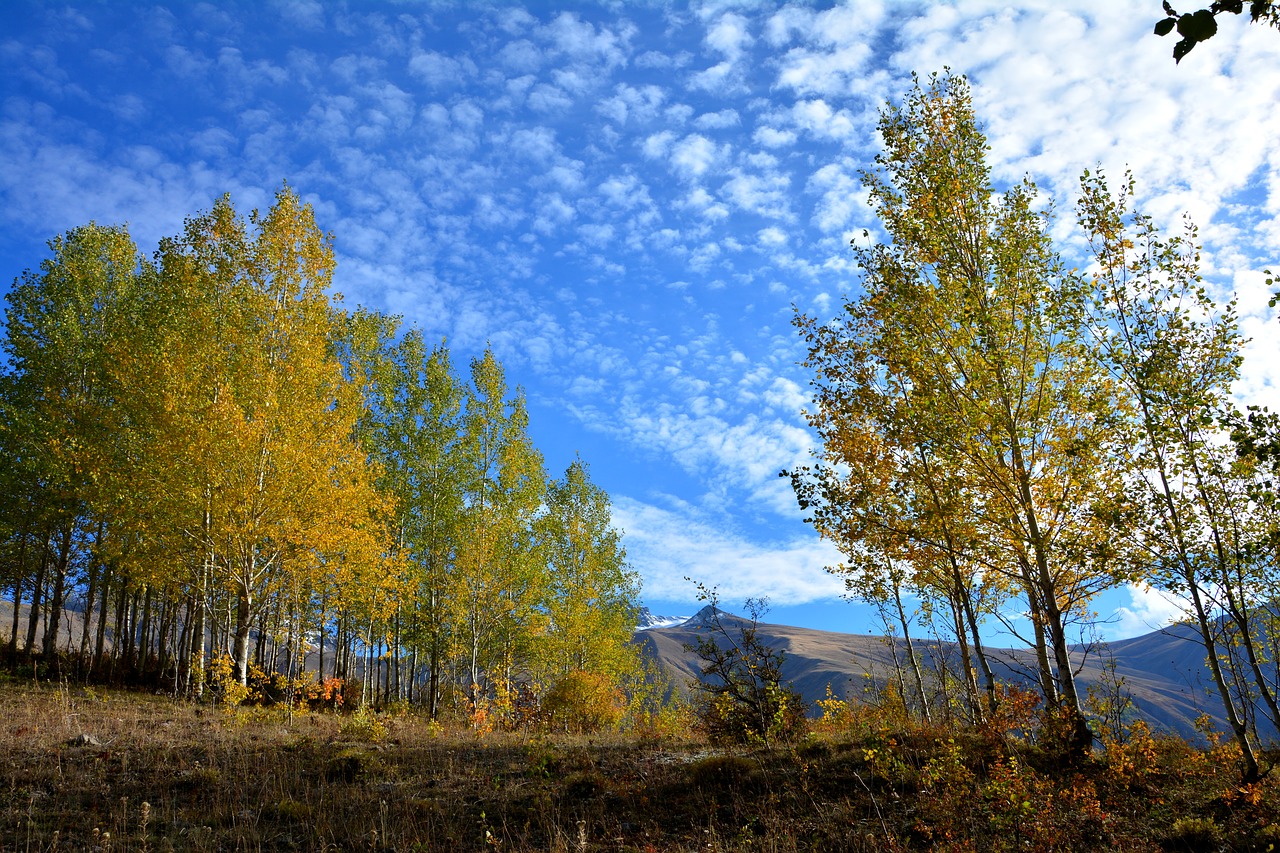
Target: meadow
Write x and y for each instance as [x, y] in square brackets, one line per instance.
[159, 773]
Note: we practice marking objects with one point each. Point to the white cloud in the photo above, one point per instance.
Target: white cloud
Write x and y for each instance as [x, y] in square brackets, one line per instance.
[521, 56]
[438, 70]
[668, 544]
[718, 120]
[1148, 610]
[307, 14]
[767, 195]
[641, 104]
[728, 37]
[657, 145]
[549, 99]
[772, 137]
[817, 117]
[771, 237]
[581, 41]
[695, 154]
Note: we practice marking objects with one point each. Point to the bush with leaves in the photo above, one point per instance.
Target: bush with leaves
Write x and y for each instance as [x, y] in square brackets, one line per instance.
[742, 696]
[583, 702]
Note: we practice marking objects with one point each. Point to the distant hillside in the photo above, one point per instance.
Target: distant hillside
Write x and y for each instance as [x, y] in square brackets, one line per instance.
[1164, 671]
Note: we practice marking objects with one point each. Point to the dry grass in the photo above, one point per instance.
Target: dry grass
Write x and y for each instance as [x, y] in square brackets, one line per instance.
[171, 775]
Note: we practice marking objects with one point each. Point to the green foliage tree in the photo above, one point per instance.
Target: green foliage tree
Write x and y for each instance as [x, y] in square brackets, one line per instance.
[498, 583]
[1176, 354]
[60, 400]
[418, 435]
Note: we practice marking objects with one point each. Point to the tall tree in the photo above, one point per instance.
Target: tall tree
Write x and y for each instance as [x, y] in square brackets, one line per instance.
[498, 580]
[61, 395]
[418, 436]
[261, 457]
[1176, 354]
[968, 314]
[591, 591]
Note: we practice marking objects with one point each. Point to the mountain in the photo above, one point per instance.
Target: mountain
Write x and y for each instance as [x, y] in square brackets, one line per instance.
[1163, 673]
[646, 621]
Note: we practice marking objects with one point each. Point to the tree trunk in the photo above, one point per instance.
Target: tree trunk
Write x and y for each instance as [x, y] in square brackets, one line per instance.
[145, 632]
[912, 661]
[240, 652]
[17, 610]
[50, 644]
[84, 664]
[37, 598]
[182, 680]
[100, 638]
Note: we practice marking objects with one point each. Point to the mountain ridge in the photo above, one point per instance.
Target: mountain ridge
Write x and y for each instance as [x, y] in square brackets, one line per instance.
[1163, 673]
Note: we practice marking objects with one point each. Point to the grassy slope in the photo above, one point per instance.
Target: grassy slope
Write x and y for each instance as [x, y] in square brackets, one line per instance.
[260, 780]
[1164, 672]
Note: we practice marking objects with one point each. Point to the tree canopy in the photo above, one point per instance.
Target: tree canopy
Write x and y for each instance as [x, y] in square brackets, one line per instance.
[1004, 436]
[218, 464]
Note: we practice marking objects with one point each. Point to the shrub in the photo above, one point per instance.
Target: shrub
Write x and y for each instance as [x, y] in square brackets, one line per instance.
[724, 772]
[743, 697]
[583, 702]
[226, 688]
[364, 725]
[1193, 835]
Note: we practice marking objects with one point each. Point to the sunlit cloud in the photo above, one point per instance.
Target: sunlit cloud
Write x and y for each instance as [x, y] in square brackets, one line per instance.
[677, 545]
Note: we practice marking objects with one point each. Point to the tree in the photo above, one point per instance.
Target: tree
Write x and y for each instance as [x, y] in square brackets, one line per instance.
[256, 460]
[1175, 354]
[972, 324]
[898, 513]
[1202, 24]
[498, 581]
[591, 591]
[61, 402]
[417, 434]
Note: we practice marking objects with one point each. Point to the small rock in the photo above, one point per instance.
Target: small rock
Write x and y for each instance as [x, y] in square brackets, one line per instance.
[84, 740]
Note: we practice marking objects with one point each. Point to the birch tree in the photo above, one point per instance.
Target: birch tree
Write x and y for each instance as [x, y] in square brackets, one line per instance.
[969, 316]
[591, 590]
[1176, 354]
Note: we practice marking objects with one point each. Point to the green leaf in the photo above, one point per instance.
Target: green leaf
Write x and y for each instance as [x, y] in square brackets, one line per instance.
[1164, 26]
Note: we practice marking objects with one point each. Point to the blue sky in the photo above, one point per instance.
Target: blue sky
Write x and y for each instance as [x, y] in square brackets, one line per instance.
[627, 200]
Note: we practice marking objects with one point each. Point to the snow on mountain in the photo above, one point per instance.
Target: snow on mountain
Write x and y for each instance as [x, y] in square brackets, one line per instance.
[646, 620]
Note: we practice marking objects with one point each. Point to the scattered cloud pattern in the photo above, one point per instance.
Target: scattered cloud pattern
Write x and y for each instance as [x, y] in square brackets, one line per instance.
[626, 203]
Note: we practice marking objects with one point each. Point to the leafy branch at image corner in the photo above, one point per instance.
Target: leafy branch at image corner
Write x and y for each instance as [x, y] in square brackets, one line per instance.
[1202, 24]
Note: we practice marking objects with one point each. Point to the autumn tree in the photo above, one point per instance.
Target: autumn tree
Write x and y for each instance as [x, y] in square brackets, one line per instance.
[1175, 354]
[259, 467]
[972, 326]
[218, 460]
[590, 589]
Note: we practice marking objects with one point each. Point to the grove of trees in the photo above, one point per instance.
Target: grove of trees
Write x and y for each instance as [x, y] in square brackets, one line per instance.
[1004, 436]
[211, 461]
